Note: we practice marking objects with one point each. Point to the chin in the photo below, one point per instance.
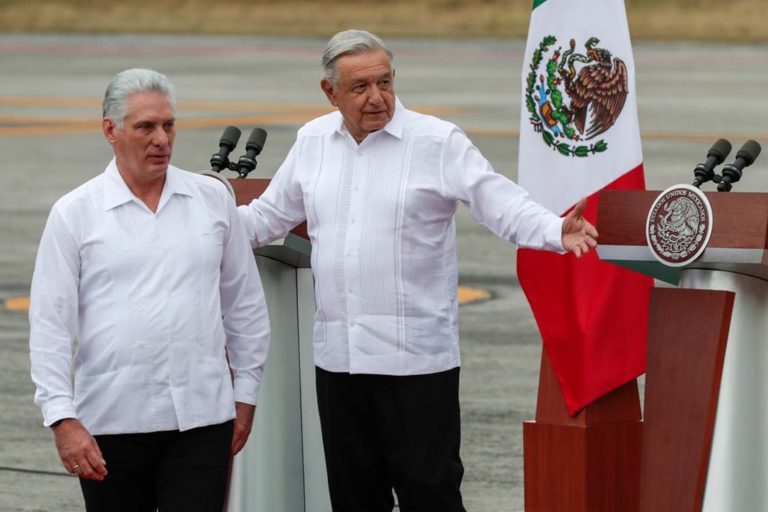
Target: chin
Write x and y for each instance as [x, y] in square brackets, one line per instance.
[374, 127]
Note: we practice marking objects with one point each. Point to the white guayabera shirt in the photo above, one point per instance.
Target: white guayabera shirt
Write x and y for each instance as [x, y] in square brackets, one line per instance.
[151, 301]
[380, 217]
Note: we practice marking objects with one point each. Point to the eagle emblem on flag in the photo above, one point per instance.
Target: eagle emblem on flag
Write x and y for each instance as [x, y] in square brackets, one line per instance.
[577, 97]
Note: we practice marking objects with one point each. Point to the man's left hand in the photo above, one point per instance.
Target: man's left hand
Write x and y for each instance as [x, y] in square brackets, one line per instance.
[578, 234]
[243, 423]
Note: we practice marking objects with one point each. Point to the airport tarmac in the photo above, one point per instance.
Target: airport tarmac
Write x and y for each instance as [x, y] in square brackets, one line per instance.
[51, 86]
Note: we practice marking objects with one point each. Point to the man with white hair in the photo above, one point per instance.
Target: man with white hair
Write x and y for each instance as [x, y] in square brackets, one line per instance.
[149, 330]
[379, 185]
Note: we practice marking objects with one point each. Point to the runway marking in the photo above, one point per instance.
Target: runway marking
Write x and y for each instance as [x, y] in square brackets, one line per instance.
[469, 295]
[466, 296]
[275, 114]
[51, 101]
[245, 113]
[20, 304]
[279, 114]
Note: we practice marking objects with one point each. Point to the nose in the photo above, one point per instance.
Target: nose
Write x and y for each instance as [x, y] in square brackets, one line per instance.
[375, 98]
[160, 137]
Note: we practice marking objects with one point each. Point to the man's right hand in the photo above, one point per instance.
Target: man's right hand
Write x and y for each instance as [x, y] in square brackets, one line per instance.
[78, 450]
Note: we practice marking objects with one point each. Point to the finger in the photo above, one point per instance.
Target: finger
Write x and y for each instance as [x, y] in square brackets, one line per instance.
[590, 230]
[96, 459]
[238, 442]
[96, 464]
[578, 209]
[92, 467]
[583, 245]
[236, 447]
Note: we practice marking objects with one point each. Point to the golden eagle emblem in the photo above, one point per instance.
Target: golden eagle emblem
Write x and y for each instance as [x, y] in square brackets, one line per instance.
[577, 97]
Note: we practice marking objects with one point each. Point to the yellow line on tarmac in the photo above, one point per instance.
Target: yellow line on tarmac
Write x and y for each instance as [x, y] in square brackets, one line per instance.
[470, 295]
[48, 101]
[466, 296]
[246, 113]
[51, 101]
[43, 101]
[20, 304]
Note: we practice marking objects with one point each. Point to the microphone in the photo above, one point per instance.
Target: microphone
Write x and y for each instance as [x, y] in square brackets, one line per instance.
[715, 156]
[227, 143]
[744, 158]
[253, 147]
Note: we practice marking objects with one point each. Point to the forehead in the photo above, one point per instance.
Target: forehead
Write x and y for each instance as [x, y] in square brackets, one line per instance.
[149, 105]
[364, 65]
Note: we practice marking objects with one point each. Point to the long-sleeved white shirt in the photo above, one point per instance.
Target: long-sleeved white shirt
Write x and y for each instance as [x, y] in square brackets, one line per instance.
[133, 313]
[380, 217]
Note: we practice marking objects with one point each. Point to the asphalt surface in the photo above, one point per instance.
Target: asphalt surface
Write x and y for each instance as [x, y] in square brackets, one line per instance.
[50, 142]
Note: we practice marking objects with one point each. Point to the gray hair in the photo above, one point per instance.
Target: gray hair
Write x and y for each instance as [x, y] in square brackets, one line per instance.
[133, 81]
[346, 43]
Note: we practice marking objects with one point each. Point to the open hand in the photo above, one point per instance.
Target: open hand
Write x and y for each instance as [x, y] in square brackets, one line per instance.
[578, 234]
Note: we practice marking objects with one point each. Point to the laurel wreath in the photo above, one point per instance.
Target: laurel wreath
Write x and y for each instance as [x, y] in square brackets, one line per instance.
[675, 247]
[563, 148]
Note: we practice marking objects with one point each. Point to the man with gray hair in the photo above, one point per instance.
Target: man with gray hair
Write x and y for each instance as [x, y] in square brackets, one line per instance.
[148, 326]
[378, 185]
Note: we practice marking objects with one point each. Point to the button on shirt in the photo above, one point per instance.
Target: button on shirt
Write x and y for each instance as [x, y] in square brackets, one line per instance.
[380, 217]
[140, 308]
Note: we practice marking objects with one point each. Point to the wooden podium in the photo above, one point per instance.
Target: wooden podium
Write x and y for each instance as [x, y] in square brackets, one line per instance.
[282, 466]
[586, 463]
[706, 413]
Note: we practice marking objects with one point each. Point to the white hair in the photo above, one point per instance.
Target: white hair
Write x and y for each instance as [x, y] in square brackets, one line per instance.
[346, 43]
[132, 81]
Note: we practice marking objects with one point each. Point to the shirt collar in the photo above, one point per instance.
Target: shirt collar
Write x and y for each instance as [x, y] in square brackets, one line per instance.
[117, 193]
[394, 127]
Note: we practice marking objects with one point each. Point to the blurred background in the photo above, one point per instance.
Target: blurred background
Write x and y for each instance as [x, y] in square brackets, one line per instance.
[702, 71]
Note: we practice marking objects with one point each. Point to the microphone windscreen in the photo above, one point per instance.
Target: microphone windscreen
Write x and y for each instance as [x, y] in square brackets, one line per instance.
[719, 150]
[257, 139]
[749, 151]
[230, 137]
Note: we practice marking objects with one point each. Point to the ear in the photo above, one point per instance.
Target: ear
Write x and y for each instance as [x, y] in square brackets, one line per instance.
[327, 88]
[108, 127]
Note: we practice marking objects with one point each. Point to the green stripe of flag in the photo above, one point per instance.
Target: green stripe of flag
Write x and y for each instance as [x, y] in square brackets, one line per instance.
[537, 3]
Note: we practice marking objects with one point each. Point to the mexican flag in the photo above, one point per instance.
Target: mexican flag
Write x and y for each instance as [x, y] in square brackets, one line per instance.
[579, 134]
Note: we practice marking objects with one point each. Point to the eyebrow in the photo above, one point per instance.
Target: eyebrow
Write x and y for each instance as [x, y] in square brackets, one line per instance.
[383, 76]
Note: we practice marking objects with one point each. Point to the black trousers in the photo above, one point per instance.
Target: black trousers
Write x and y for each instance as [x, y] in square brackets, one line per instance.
[383, 433]
[167, 471]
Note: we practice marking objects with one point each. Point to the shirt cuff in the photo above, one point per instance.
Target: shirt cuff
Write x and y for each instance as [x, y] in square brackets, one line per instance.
[554, 237]
[58, 409]
[246, 390]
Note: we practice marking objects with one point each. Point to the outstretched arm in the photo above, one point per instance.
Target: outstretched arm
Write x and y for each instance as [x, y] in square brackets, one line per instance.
[578, 234]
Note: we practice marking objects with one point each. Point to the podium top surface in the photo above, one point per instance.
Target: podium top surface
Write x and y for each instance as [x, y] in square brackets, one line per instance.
[738, 243]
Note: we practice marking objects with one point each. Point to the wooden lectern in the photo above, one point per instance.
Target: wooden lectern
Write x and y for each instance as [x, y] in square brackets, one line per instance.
[706, 413]
[586, 463]
[282, 468]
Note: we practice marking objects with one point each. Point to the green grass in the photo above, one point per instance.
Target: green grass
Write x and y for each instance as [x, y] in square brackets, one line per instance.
[717, 20]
